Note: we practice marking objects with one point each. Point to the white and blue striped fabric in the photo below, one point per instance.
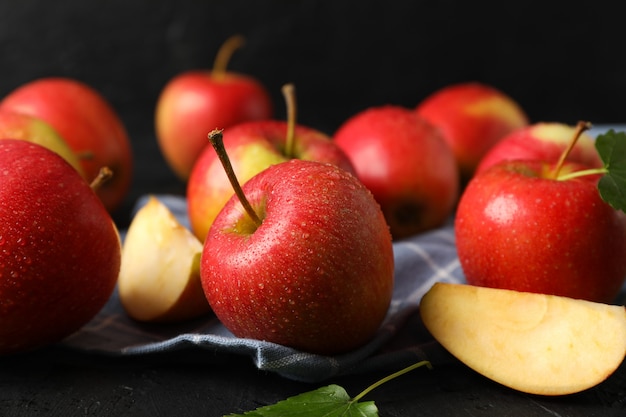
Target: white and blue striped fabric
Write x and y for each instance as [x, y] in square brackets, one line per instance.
[419, 262]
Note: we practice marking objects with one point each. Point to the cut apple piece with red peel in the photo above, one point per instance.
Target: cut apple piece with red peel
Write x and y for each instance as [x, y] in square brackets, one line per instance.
[160, 274]
[534, 343]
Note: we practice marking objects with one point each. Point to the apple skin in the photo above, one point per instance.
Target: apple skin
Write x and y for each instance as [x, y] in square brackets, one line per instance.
[32, 129]
[55, 274]
[194, 103]
[544, 141]
[316, 275]
[405, 163]
[516, 229]
[472, 117]
[89, 125]
[252, 147]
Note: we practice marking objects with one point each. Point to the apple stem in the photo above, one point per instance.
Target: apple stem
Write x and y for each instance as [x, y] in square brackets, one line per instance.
[390, 377]
[289, 94]
[582, 173]
[104, 175]
[217, 141]
[225, 53]
[580, 128]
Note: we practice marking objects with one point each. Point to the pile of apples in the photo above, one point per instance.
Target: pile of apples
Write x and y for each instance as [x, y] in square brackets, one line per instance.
[287, 244]
[65, 166]
[467, 152]
[291, 229]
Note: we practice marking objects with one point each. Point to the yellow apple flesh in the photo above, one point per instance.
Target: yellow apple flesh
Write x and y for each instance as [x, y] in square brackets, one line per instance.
[160, 273]
[534, 343]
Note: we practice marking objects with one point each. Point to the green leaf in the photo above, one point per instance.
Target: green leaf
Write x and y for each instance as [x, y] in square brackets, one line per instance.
[612, 186]
[330, 401]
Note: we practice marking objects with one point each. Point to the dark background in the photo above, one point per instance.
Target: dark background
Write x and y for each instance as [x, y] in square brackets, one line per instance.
[560, 62]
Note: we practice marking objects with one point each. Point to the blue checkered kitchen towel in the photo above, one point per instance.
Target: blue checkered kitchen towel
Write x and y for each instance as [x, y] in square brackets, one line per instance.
[419, 262]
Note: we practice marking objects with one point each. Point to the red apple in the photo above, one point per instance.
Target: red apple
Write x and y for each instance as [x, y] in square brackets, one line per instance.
[32, 129]
[195, 102]
[472, 118]
[89, 125]
[542, 141]
[313, 272]
[252, 147]
[59, 248]
[406, 164]
[518, 227]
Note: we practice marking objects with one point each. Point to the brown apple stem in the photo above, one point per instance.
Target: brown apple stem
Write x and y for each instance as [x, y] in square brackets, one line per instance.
[580, 128]
[225, 53]
[217, 141]
[290, 100]
[104, 175]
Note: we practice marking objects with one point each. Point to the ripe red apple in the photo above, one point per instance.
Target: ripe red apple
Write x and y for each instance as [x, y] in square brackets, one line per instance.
[542, 141]
[252, 147]
[519, 227]
[32, 129]
[314, 271]
[59, 249]
[406, 164]
[195, 102]
[472, 118]
[89, 125]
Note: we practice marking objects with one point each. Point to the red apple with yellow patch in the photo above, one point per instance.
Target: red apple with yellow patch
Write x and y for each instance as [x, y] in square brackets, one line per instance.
[544, 227]
[472, 118]
[195, 102]
[87, 122]
[252, 147]
[32, 129]
[544, 141]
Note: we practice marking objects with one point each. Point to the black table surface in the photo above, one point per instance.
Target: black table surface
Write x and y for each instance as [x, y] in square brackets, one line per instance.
[56, 382]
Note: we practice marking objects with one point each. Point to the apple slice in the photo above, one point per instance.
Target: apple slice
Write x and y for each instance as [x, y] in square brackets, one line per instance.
[534, 343]
[159, 278]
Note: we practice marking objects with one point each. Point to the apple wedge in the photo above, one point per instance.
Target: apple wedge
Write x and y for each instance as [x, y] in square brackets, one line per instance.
[159, 277]
[534, 343]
